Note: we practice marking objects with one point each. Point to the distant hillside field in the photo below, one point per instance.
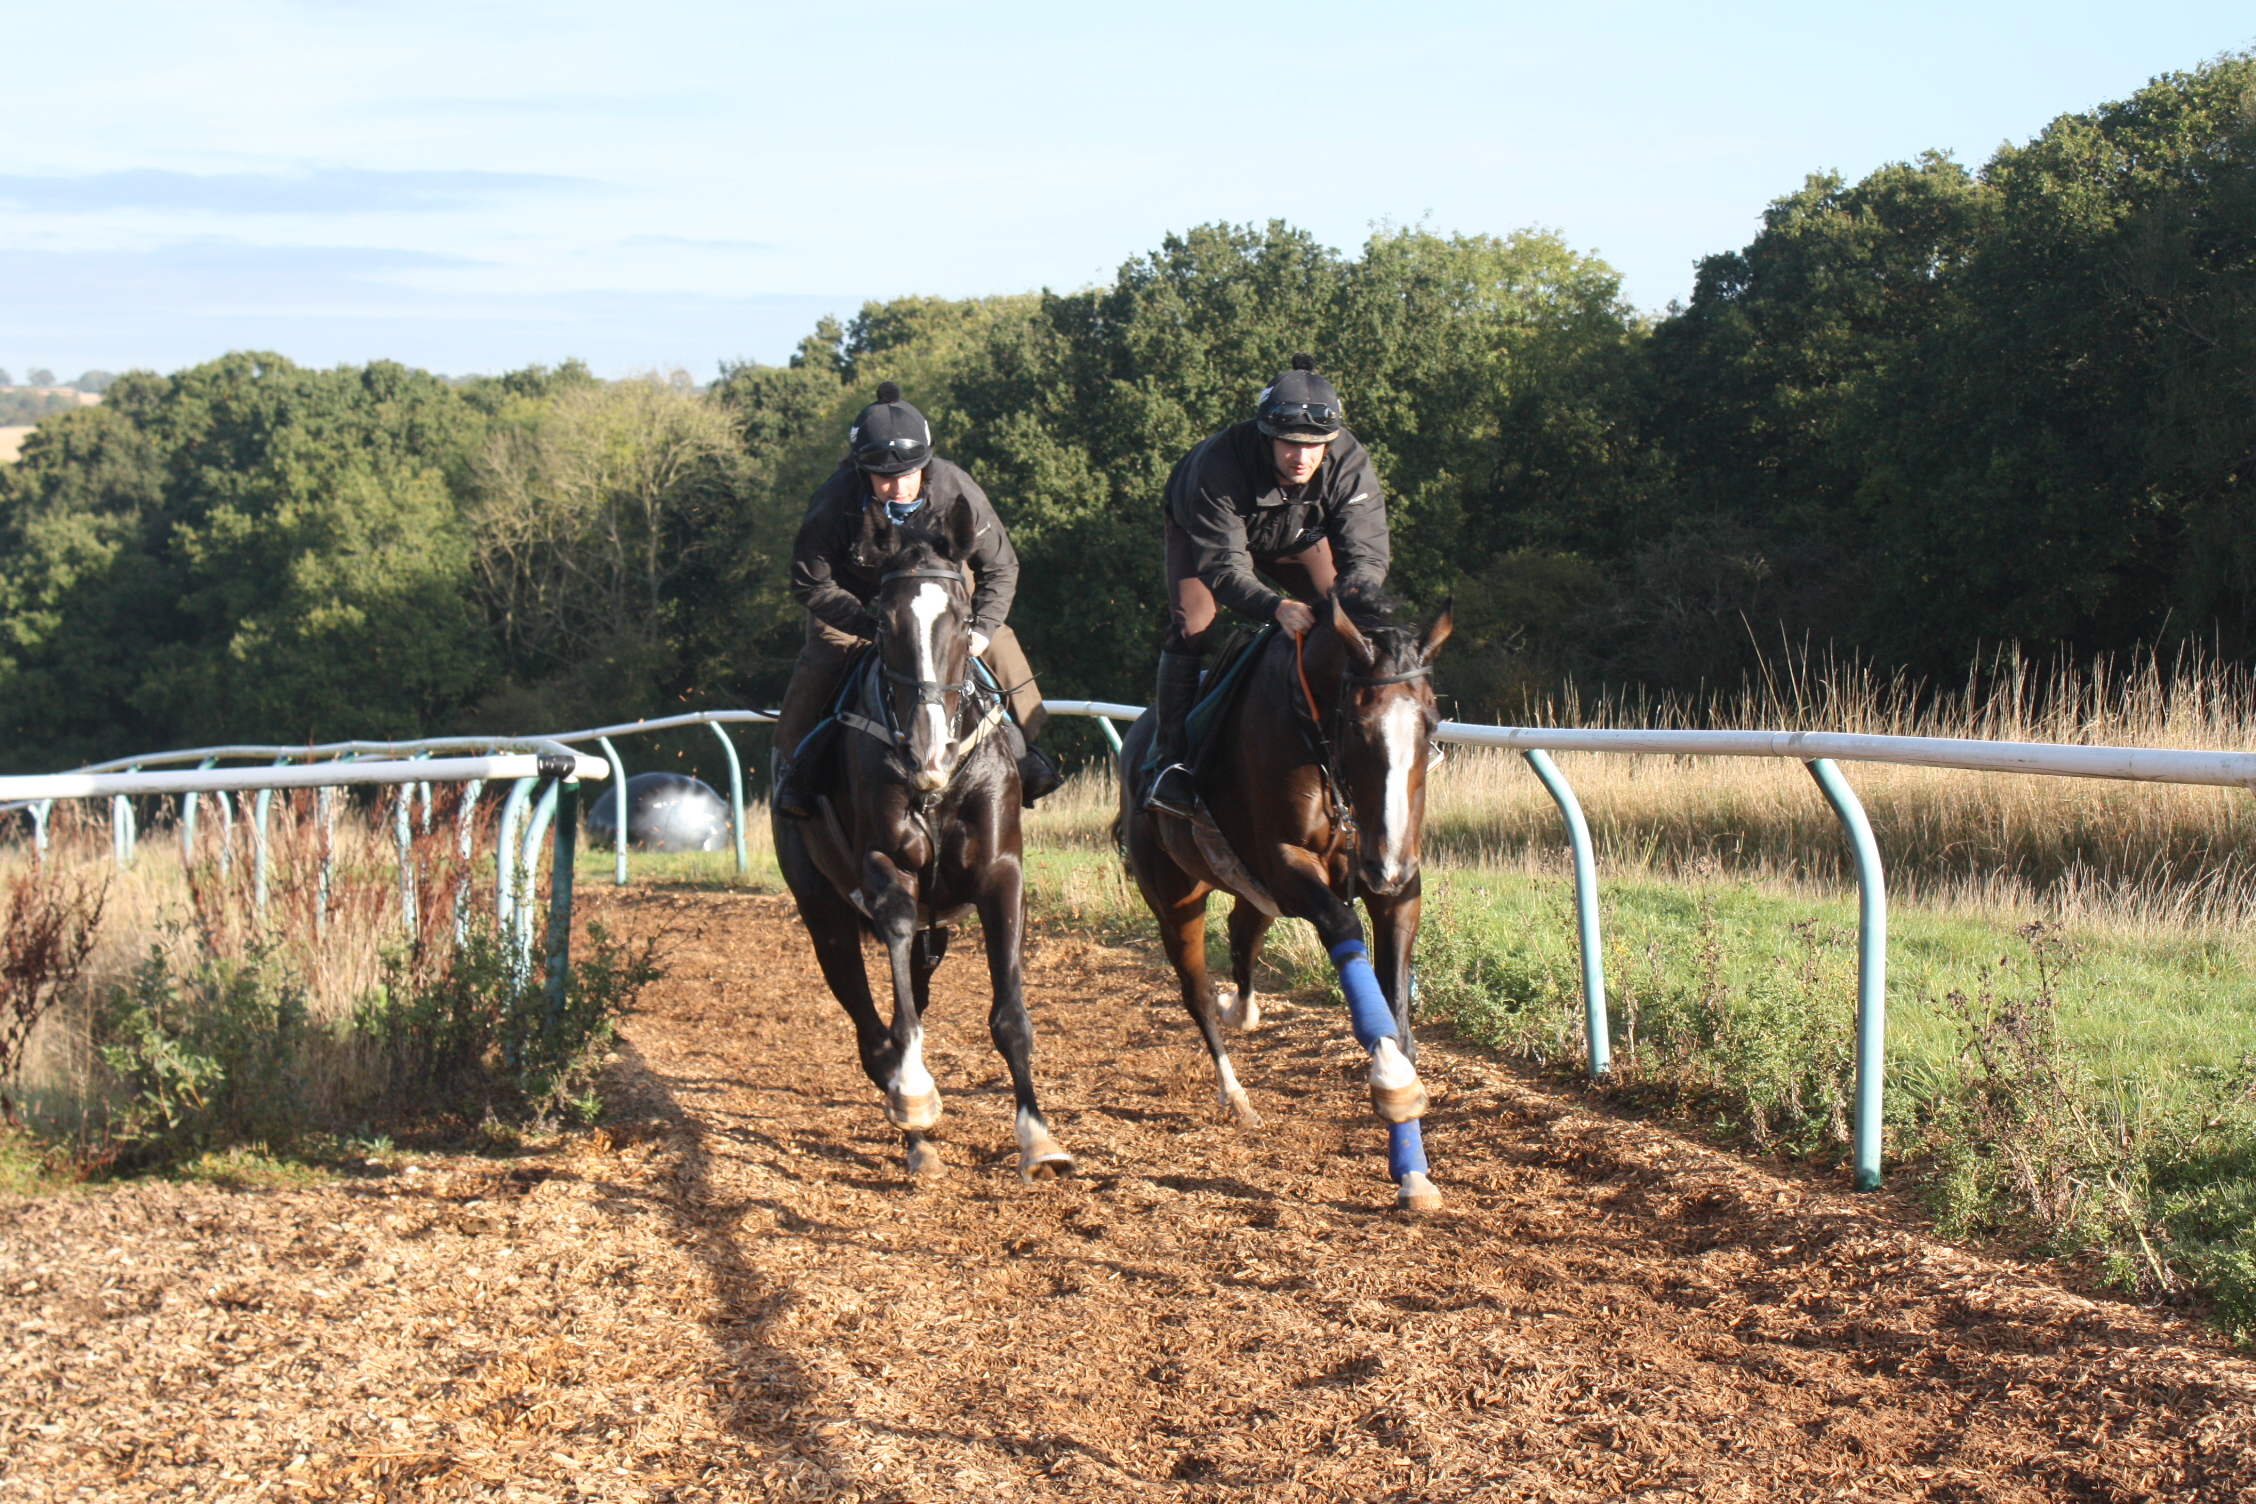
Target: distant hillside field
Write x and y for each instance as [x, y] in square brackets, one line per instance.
[28, 404]
[11, 441]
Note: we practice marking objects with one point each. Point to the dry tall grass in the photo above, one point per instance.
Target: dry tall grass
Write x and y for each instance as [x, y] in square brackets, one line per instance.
[2142, 855]
[2128, 854]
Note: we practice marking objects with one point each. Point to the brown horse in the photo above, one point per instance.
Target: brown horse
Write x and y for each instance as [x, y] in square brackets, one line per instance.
[1315, 782]
[923, 831]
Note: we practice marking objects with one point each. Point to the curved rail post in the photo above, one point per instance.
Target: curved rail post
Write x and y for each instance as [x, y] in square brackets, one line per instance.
[736, 796]
[1111, 736]
[465, 843]
[121, 826]
[226, 803]
[505, 857]
[618, 794]
[1872, 968]
[528, 869]
[560, 896]
[1586, 911]
[262, 805]
[403, 836]
[188, 816]
[325, 804]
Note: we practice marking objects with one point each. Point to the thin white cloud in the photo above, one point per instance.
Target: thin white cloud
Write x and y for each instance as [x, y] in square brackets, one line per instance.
[318, 191]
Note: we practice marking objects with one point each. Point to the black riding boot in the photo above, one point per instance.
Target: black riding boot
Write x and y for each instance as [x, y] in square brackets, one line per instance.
[1037, 775]
[1177, 692]
[797, 775]
[785, 798]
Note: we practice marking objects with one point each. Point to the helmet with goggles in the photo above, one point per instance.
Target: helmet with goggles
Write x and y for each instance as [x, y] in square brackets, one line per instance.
[1299, 406]
[889, 437]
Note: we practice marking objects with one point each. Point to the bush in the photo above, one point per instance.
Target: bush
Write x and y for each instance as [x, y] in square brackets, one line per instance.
[208, 1058]
[479, 1026]
[46, 935]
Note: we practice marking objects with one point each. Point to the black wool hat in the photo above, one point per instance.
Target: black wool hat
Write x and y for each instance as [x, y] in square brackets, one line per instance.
[1299, 405]
[889, 437]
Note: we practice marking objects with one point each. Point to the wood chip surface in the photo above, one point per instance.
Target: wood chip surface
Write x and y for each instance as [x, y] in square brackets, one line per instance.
[732, 1291]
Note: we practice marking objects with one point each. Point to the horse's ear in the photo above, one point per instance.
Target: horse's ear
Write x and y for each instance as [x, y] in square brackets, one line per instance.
[963, 533]
[1438, 633]
[1352, 635]
[871, 514]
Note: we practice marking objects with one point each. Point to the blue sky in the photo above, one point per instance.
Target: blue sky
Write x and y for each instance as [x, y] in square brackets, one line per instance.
[482, 184]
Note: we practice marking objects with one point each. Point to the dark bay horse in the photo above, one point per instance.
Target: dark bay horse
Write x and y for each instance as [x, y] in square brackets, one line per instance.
[1316, 782]
[923, 830]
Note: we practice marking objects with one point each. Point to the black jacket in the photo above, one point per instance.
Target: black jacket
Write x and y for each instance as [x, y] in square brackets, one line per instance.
[833, 575]
[1226, 496]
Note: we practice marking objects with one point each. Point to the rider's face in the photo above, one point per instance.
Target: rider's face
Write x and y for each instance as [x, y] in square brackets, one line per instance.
[1295, 462]
[904, 487]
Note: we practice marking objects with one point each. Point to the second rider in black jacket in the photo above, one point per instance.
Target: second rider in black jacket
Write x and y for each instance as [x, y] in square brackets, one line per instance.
[1289, 493]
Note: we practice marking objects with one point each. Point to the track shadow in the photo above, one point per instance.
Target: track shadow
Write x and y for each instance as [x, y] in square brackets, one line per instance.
[760, 1394]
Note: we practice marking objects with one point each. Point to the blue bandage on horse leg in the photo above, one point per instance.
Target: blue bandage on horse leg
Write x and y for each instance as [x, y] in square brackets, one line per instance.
[1367, 1006]
[1406, 1149]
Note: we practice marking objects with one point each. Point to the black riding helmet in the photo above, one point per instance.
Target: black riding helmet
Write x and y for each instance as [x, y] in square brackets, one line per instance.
[1299, 406]
[889, 437]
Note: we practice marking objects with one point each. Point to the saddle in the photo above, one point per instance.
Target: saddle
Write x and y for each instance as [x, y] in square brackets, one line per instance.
[1222, 686]
[1225, 684]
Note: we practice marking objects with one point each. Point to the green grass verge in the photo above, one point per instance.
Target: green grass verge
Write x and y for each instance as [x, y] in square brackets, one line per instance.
[2082, 1092]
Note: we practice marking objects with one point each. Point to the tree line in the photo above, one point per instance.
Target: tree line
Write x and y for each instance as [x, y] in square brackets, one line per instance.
[1919, 415]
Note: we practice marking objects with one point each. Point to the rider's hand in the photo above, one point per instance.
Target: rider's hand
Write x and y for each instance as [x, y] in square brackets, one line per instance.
[1295, 618]
[979, 644]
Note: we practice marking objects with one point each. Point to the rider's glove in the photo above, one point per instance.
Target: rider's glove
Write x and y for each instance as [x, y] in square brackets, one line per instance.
[979, 644]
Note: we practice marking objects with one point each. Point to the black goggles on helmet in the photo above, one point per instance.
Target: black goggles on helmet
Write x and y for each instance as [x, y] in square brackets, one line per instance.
[892, 454]
[1314, 415]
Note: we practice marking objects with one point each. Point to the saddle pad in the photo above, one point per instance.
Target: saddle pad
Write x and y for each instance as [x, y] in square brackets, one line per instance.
[1224, 682]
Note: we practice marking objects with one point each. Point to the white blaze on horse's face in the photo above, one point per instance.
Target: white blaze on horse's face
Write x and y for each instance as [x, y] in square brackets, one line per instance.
[928, 737]
[1401, 730]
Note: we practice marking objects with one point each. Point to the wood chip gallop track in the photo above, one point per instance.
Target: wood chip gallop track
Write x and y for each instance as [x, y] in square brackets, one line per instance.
[732, 1292]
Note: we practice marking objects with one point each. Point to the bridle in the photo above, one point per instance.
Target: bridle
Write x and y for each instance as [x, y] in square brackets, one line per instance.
[931, 692]
[1324, 740]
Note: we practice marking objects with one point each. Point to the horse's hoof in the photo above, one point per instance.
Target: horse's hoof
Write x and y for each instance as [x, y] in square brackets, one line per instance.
[915, 1113]
[1238, 1011]
[925, 1160]
[1241, 1104]
[1399, 1104]
[1416, 1194]
[1043, 1161]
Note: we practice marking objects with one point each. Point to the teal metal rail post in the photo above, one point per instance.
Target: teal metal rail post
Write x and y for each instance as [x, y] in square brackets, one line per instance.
[505, 857]
[617, 794]
[736, 796]
[1872, 968]
[560, 896]
[528, 867]
[465, 845]
[261, 807]
[403, 837]
[1595, 1029]
[188, 817]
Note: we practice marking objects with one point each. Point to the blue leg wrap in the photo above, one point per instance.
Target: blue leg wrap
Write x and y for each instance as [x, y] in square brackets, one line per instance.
[1367, 1006]
[1406, 1149]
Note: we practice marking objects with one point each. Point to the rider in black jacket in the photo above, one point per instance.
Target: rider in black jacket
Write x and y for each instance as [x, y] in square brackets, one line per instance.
[1289, 493]
[891, 464]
